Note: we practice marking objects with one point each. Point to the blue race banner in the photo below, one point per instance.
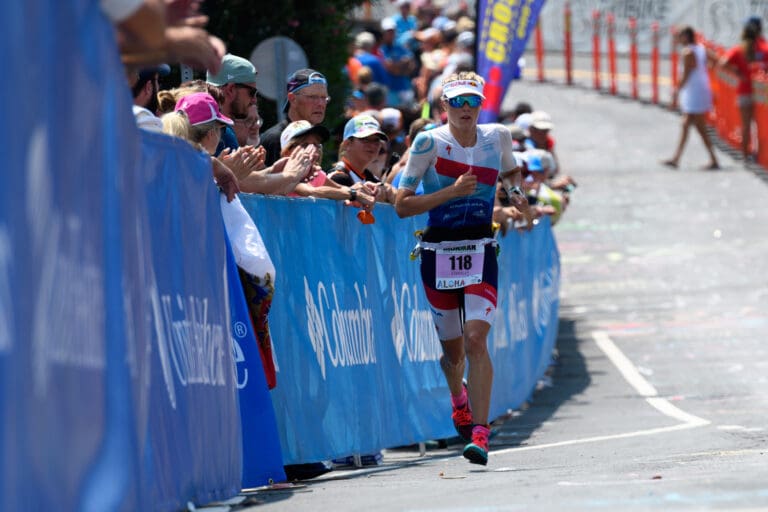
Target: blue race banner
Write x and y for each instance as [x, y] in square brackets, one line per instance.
[357, 353]
[116, 367]
[503, 29]
[192, 397]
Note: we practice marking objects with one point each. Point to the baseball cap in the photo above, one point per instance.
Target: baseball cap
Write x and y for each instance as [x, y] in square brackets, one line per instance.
[362, 126]
[234, 70]
[541, 120]
[755, 21]
[390, 117]
[298, 128]
[458, 87]
[388, 24]
[365, 40]
[148, 73]
[302, 78]
[524, 121]
[465, 24]
[465, 39]
[200, 108]
[534, 164]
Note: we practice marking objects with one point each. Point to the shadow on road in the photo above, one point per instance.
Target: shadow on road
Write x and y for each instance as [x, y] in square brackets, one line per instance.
[566, 378]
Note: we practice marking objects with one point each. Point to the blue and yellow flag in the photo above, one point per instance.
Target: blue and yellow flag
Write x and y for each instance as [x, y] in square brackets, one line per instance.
[503, 28]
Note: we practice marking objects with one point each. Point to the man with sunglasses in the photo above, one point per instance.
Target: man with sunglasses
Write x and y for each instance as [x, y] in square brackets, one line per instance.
[237, 82]
[459, 164]
[307, 100]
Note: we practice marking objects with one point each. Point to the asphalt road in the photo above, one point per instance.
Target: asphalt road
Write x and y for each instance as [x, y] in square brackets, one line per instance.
[659, 399]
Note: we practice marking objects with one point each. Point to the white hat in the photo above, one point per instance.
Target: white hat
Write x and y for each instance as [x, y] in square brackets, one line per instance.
[363, 126]
[365, 40]
[541, 120]
[390, 117]
[388, 24]
[299, 128]
[524, 121]
[458, 87]
[465, 39]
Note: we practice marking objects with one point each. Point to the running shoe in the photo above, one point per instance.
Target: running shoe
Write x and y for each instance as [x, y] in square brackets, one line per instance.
[462, 420]
[477, 451]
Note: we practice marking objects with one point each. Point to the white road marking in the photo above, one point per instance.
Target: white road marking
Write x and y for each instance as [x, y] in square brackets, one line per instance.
[624, 365]
[642, 387]
[625, 435]
[665, 407]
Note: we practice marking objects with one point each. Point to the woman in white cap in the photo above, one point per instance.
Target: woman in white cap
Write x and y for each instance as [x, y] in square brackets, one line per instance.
[301, 134]
[459, 164]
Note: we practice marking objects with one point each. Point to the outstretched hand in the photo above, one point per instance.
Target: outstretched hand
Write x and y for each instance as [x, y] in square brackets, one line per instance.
[298, 164]
[225, 179]
[521, 204]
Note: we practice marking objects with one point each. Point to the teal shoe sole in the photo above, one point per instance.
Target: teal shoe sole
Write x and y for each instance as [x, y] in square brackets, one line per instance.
[475, 454]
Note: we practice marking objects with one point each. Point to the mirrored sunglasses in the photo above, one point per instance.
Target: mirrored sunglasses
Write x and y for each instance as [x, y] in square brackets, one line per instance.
[469, 99]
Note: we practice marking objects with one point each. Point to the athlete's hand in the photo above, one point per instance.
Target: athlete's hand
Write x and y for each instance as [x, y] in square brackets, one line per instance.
[465, 184]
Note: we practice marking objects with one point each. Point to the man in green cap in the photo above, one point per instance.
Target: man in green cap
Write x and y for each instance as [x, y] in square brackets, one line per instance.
[237, 82]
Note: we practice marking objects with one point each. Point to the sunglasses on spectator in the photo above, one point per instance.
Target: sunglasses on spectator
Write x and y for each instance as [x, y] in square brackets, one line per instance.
[469, 99]
[251, 90]
[250, 124]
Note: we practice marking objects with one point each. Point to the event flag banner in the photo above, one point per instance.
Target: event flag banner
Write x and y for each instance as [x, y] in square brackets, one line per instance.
[503, 28]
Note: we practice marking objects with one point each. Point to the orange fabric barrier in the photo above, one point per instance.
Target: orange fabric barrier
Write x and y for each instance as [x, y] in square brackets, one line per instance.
[725, 115]
[761, 118]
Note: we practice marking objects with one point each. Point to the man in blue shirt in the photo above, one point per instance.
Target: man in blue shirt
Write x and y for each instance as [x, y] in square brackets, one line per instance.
[400, 65]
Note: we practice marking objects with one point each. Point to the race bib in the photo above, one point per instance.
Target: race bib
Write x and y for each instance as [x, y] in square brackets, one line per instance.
[457, 267]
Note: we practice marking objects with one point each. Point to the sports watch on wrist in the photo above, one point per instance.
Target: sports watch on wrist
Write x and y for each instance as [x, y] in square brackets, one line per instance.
[515, 190]
[352, 194]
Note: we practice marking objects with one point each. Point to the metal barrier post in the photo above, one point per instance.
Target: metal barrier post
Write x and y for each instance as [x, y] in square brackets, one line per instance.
[596, 48]
[633, 54]
[568, 45]
[655, 63]
[539, 50]
[673, 57]
[611, 25]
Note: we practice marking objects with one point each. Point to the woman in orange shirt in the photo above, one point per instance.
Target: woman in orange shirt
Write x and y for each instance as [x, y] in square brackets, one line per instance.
[739, 60]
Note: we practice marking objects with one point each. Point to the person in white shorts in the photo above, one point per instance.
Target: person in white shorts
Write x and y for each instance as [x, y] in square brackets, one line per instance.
[459, 164]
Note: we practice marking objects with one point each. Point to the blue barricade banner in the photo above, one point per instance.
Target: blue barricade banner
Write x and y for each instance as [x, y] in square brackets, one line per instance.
[356, 350]
[262, 457]
[117, 381]
[503, 29]
[193, 395]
